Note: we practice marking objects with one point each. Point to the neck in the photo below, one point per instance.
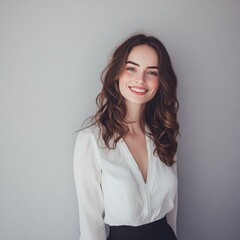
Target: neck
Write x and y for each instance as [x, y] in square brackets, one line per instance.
[134, 116]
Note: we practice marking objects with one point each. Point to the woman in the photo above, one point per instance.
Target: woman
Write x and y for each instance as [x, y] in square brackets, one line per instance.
[124, 163]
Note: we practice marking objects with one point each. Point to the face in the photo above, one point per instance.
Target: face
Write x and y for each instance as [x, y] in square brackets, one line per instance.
[139, 81]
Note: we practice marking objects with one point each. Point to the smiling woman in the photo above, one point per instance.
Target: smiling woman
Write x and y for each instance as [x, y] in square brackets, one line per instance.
[125, 161]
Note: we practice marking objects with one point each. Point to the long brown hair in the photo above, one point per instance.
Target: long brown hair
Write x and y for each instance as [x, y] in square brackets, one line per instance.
[160, 114]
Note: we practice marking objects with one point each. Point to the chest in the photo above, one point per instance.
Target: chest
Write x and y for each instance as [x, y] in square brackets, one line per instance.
[138, 151]
[119, 168]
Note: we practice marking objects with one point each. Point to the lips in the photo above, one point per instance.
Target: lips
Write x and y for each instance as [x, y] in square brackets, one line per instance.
[138, 90]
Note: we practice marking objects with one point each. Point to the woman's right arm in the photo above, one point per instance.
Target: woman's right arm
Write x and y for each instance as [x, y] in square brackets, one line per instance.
[87, 176]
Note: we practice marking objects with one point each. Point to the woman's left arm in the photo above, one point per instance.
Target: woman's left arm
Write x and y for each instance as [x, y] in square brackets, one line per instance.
[172, 215]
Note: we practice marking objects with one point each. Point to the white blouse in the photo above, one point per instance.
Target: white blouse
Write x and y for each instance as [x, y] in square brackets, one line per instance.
[111, 189]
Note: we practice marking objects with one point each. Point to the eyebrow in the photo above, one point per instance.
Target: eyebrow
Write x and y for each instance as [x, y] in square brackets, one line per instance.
[136, 64]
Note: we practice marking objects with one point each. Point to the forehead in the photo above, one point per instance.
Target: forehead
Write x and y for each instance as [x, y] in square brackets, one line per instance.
[144, 55]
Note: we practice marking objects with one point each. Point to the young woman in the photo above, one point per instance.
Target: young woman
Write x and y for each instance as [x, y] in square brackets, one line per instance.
[125, 162]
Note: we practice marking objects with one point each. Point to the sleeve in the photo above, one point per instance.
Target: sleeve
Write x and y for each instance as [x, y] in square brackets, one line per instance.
[172, 215]
[87, 176]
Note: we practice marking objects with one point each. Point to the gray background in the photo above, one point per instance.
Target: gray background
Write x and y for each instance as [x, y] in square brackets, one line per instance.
[51, 57]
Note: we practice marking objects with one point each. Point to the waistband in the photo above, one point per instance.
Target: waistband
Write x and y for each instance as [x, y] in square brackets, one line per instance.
[142, 232]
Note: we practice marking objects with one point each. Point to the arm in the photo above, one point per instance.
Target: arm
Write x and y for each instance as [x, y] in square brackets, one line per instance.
[87, 176]
[172, 216]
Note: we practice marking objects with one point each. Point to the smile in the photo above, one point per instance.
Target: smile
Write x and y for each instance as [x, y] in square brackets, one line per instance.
[138, 90]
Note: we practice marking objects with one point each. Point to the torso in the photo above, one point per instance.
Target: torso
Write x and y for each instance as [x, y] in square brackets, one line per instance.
[126, 199]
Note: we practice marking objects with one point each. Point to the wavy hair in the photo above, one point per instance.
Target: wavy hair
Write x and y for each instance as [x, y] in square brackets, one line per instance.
[160, 113]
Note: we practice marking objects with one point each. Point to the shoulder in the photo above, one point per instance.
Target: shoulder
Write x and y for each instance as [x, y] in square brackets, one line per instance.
[86, 152]
[92, 131]
[91, 135]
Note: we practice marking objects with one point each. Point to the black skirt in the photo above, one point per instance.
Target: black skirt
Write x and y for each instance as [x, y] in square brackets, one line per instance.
[158, 230]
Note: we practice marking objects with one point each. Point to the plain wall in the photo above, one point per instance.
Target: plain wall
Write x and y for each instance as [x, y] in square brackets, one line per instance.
[51, 57]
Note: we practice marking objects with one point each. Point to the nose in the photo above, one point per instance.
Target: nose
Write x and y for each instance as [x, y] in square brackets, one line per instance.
[140, 78]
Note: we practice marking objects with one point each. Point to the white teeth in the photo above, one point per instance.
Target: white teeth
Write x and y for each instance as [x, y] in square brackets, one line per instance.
[138, 89]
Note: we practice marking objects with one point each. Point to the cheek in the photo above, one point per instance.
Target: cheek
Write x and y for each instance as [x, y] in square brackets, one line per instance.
[124, 79]
[126, 75]
[155, 84]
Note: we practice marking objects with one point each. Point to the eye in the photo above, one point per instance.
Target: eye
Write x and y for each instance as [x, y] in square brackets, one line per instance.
[152, 73]
[131, 69]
